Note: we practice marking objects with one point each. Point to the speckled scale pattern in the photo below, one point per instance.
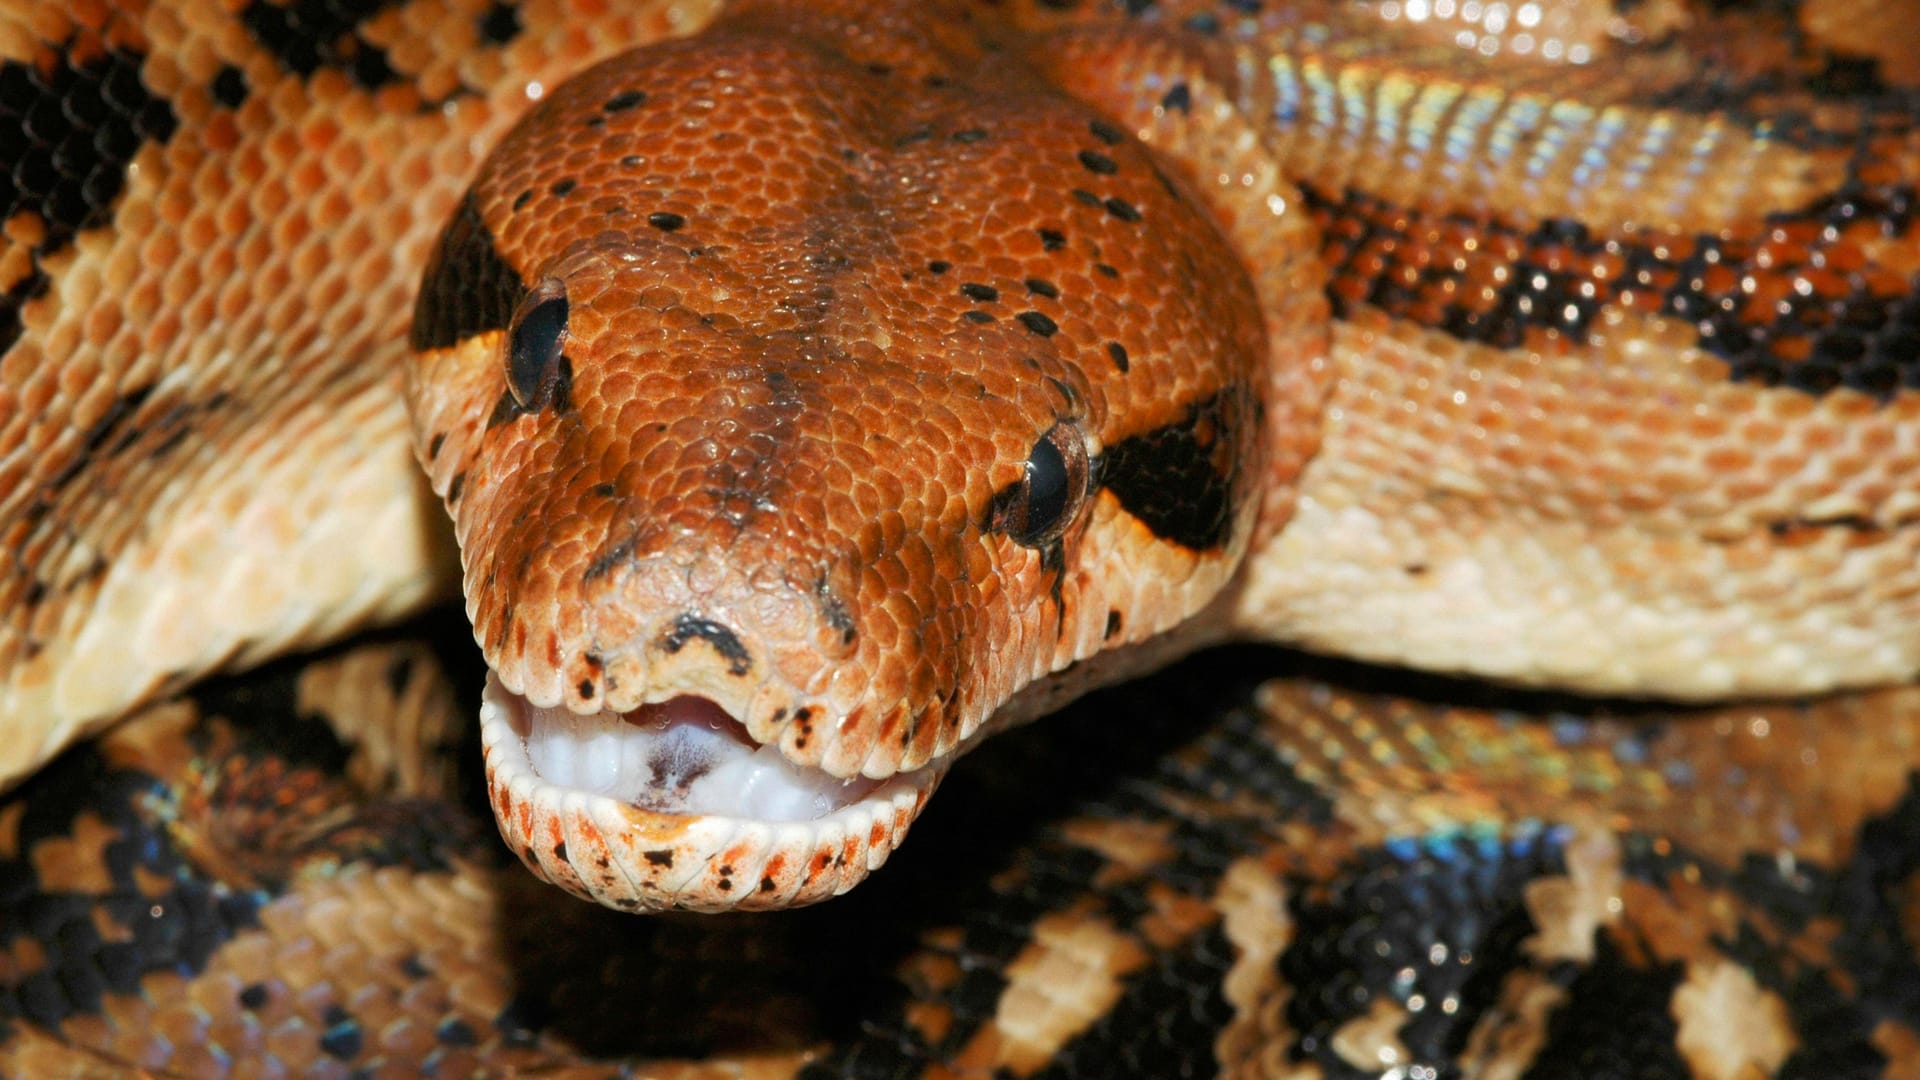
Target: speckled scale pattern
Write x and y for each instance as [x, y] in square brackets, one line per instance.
[1318, 875]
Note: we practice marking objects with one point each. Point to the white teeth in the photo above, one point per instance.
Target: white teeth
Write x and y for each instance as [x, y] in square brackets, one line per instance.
[682, 758]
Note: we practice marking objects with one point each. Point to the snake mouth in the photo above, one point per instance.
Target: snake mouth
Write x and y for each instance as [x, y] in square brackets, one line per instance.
[674, 806]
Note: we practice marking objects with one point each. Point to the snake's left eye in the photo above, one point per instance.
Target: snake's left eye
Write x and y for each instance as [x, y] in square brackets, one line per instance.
[535, 338]
[1037, 509]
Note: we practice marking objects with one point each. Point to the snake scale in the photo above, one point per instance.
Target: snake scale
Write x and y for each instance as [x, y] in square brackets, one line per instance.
[822, 388]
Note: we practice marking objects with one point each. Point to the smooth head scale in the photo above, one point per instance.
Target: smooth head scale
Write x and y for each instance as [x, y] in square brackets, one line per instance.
[811, 398]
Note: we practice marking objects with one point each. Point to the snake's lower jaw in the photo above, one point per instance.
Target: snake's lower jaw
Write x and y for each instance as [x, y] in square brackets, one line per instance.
[674, 806]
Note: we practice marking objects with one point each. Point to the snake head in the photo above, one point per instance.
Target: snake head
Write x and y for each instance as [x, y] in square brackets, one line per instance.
[801, 423]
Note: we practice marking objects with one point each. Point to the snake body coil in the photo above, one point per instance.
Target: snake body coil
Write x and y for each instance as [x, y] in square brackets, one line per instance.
[822, 392]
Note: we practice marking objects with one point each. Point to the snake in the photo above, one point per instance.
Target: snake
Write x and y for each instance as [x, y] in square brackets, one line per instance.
[818, 390]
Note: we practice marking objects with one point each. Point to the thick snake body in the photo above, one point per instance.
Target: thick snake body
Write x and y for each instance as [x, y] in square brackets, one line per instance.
[823, 392]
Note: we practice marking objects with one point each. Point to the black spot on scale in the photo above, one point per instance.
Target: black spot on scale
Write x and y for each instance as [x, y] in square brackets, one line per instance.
[1107, 133]
[119, 411]
[499, 24]
[834, 611]
[665, 221]
[1122, 209]
[624, 100]
[229, 87]
[1172, 479]
[977, 316]
[342, 1038]
[723, 639]
[660, 857]
[1179, 99]
[1113, 624]
[468, 288]
[1043, 287]
[939, 266]
[1119, 354]
[1096, 162]
[969, 136]
[1052, 239]
[563, 188]
[252, 996]
[982, 293]
[1037, 323]
[454, 1031]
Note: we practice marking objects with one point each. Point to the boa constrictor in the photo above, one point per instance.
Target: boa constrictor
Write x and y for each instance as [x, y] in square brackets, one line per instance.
[821, 393]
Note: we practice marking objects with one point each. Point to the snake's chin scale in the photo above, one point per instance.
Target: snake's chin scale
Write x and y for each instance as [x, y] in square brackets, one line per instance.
[674, 806]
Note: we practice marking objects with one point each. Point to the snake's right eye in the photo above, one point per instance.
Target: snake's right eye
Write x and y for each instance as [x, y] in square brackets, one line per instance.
[1039, 508]
[535, 338]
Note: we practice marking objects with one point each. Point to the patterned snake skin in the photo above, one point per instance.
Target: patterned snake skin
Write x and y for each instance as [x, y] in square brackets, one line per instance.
[820, 394]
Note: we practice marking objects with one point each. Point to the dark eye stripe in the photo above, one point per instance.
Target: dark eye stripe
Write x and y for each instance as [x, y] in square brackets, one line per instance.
[468, 288]
[1175, 479]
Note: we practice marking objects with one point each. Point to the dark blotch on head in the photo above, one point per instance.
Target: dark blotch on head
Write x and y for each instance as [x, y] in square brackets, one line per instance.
[624, 100]
[1038, 323]
[1098, 163]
